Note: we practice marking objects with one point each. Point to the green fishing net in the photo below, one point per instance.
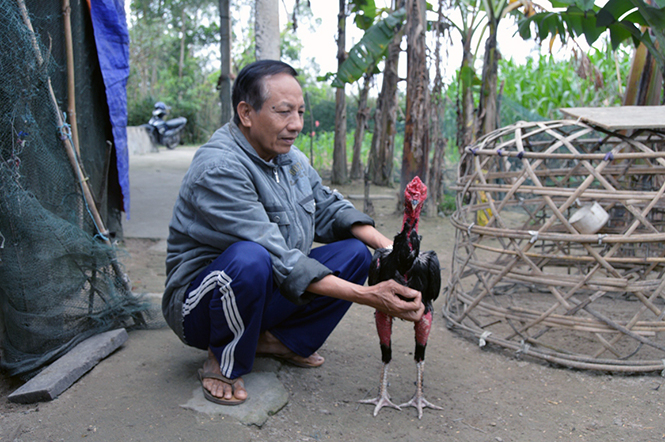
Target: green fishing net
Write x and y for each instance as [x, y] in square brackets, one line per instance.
[60, 279]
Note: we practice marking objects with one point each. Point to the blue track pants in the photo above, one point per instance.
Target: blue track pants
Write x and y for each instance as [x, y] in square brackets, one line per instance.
[235, 299]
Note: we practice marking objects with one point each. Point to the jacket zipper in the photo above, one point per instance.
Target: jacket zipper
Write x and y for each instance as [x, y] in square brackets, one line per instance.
[276, 175]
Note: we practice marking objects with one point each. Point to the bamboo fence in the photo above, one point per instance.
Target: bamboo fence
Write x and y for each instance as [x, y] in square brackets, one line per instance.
[526, 279]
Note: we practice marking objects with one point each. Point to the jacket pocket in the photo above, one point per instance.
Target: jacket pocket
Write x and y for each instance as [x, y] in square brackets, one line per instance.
[281, 218]
[308, 204]
[278, 216]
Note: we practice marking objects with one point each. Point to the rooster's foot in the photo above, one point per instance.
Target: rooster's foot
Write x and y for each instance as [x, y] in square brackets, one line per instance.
[419, 402]
[383, 400]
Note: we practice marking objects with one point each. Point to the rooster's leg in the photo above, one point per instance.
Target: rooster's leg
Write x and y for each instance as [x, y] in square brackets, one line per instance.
[383, 399]
[384, 327]
[422, 334]
[418, 400]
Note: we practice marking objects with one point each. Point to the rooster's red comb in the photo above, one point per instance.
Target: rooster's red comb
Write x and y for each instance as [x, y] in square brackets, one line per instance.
[416, 188]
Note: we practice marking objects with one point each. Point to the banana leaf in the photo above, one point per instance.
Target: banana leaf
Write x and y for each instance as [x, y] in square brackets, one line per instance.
[615, 16]
[370, 49]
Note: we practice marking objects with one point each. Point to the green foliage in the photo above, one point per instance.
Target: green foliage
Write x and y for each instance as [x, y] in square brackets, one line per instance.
[157, 72]
[537, 89]
[365, 13]
[324, 146]
[545, 85]
[448, 205]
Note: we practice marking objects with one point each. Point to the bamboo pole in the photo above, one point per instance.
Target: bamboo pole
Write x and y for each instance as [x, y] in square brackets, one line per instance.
[71, 83]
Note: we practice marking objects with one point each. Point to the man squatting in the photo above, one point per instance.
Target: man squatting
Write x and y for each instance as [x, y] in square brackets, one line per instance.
[242, 277]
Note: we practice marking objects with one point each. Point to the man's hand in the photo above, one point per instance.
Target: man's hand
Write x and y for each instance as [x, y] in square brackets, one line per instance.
[387, 297]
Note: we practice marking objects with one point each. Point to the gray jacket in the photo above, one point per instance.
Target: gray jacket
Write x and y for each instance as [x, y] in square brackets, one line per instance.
[230, 194]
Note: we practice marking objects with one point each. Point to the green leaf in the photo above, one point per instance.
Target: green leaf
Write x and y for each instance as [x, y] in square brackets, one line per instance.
[326, 77]
[363, 22]
[584, 5]
[365, 11]
[562, 3]
[637, 18]
[654, 16]
[618, 34]
[575, 27]
[605, 18]
[549, 26]
[591, 31]
[370, 49]
[367, 7]
[524, 27]
[612, 11]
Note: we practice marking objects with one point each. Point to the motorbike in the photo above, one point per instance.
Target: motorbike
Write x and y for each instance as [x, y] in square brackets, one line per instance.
[165, 132]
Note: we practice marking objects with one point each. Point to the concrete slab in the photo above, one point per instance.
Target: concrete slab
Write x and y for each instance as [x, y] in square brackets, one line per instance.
[268, 396]
[138, 141]
[61, 374]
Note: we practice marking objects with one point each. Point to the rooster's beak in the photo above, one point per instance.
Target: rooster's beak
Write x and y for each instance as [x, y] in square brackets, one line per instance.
[414, 203]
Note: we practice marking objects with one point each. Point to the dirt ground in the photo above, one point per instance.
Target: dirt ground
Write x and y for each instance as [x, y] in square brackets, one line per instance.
[487, 394]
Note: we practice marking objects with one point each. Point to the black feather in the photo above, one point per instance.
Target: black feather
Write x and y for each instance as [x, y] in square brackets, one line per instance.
[408, 266]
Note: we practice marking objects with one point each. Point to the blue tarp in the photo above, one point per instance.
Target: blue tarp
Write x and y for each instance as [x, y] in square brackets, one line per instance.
[112, 40]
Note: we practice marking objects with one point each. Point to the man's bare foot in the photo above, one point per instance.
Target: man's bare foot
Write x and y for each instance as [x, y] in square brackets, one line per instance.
[269, 345]
[218, 388]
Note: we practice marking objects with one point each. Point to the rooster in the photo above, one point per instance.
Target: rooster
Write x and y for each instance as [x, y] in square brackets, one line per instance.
[419, 270]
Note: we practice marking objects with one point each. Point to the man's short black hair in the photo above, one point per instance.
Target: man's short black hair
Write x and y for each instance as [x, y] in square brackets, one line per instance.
[248, 86]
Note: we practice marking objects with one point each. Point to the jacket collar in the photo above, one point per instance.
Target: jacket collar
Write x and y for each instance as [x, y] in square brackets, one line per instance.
[239, 137]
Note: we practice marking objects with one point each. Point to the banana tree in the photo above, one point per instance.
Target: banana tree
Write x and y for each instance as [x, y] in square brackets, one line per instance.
[469, 23]
[380, 41]
[365, 12]
[495, 11]
[371, 48]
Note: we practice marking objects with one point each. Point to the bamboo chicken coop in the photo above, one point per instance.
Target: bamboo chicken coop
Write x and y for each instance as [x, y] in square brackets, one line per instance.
[559, 251]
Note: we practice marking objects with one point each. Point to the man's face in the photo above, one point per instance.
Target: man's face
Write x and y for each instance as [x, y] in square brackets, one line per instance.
[273, 129]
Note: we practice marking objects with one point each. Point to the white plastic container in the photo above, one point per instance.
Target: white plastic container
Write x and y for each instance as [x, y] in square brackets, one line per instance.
[589, 219]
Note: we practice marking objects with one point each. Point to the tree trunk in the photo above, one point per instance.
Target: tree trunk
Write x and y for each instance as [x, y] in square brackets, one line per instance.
[361, 122]
[224, 82]
[183, 30]
[465, 106]
[437, 109]
[380, 161]
[487, 116]
[267, 30]
[416, 134]
[339, 170]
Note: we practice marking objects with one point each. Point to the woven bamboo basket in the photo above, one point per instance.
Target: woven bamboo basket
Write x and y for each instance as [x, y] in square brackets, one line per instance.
[559, 250]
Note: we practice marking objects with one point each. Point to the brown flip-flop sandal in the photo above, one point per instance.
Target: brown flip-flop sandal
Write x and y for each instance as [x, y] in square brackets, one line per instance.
[221, 401]
[292, 359]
